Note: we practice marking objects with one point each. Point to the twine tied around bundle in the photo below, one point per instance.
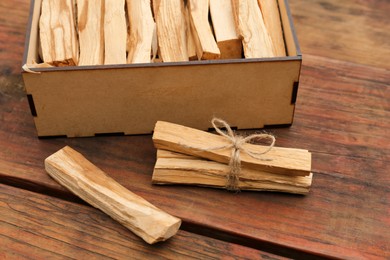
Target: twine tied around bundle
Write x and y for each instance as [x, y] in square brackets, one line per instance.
[237, 142]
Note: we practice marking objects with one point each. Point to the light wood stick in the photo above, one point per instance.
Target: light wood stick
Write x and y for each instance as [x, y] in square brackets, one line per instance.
[250, 25]
[178, 138]
[171, 29]
[141, 31]
[206, 47]
[90, 29]
[271, 15]
[58, 37]
[191, 48]
[115, 32]
[75, 172]
[228, 41]
[176, 168]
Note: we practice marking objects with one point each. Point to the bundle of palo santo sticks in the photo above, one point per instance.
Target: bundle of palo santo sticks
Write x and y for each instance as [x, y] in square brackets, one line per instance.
[189, 156]
[82, 32]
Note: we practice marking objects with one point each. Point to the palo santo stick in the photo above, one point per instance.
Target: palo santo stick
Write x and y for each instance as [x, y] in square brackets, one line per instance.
[194, 142]
[58, 37]
[228, 41]
[171, 29]
[206, 47]
[141, 31]
[115, 32]
[175, 168]
[191, 48]
[250, 25]
[90, 28]
[271, 16]
[75, 172]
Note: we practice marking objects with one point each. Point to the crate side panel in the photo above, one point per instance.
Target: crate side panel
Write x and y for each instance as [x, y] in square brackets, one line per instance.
[131, 100]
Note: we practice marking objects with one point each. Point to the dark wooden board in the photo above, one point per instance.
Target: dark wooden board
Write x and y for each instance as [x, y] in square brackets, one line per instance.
[35, 226]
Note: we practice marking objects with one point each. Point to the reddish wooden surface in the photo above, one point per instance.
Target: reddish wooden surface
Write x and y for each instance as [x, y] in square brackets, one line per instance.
[350, 30]
[39, 227]
[342, 117]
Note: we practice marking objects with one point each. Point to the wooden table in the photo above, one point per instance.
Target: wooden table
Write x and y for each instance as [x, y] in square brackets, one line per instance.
[342, 116]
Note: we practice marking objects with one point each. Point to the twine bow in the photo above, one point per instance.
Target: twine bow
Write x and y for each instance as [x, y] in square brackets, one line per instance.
[237, 143]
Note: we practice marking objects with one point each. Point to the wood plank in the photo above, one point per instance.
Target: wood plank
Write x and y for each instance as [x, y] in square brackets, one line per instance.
[90, 25]
[72, 170]
[171, 30]
[115, 32]
[206, 47]
[182, 139]
[77, 231]
[57, 33]
[141, 31]
[271, 16]
[176, 168]
[250, 26]
[228, 41]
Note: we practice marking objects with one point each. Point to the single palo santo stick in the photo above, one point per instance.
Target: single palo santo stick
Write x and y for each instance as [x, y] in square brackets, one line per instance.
[206, 47]
[175, 168]
[228, 41]
[115, 32]
[181, 139]
[250, 26]
[171, 29]
[75, 172]
[191, 48]
[270, 11]
[141, 31]
[90, 28]
[58, 37]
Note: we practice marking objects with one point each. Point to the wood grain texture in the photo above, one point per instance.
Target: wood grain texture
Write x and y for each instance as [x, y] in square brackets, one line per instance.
[342, 116]
[34, 226]
[352, 30]
[142, 25]
[191, 48]
[228, 41]
[206, 46]
[177, 168]
[73, 171]
[271, 16]
[190, 141]
[57, 33]
[90, 26]
[171, 30]
[13, 22]
[115, 32]
[250, 26]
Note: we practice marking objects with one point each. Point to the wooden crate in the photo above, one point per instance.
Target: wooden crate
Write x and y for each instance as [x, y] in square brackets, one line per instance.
[130, 98]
